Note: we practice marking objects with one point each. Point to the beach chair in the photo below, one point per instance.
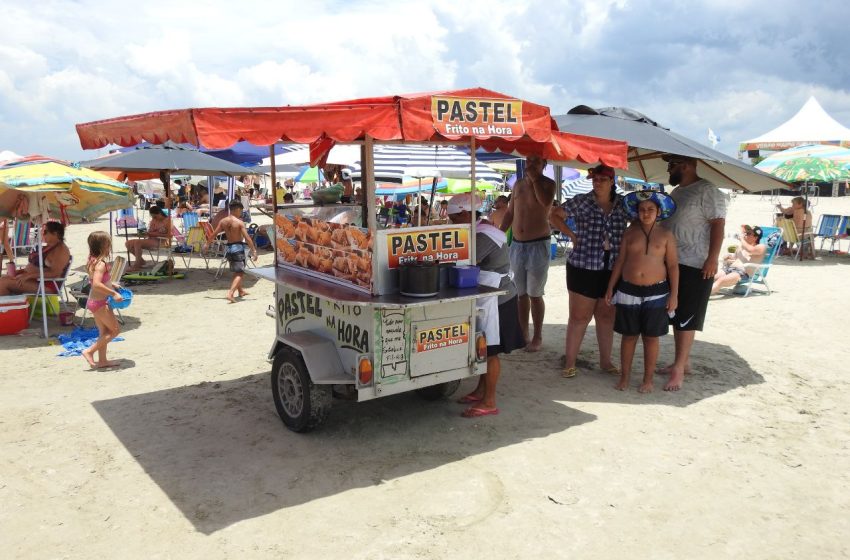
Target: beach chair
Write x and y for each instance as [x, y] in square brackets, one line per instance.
[52, 287]
[772, 238]
[804, 244]
[190, 220]
[23, 240]
[841, 234]
[119, 266]
[827, 229]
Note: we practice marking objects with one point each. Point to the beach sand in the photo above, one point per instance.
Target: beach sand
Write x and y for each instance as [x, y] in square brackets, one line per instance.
[180, 453]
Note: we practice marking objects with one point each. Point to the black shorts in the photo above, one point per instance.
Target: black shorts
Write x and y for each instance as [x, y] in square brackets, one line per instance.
[510, 335]
[694, 291]
[588, 283]
[642, 310]
[235, 255]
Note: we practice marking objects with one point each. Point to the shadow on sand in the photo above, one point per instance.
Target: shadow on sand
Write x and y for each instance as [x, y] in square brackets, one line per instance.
[222, 455]
[717, 369]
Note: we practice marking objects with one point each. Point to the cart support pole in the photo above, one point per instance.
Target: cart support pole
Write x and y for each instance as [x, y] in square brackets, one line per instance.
[472, 198]
[367, 179]
[274, 183]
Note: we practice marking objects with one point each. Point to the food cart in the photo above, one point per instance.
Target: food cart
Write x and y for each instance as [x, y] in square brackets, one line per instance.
[343, 315]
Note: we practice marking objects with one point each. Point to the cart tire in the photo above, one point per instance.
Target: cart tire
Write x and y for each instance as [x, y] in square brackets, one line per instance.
[300, 403]
[439, 391]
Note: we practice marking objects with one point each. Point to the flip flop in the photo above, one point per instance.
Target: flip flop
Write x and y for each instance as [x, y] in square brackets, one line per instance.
[475, 412]
[569, 372]
[613, 370]
[469, 399]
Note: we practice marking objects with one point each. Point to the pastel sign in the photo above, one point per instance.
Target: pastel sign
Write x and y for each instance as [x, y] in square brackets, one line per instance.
[442, 337]
[457, 116]
[443, 245]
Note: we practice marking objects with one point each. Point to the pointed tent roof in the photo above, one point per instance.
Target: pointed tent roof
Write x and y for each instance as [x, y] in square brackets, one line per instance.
[811, 125]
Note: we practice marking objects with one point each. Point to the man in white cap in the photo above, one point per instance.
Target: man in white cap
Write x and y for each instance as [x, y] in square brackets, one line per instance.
[347, 187]
[499, 320]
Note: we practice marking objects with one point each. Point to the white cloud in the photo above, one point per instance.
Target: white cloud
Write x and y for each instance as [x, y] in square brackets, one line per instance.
[739, 67]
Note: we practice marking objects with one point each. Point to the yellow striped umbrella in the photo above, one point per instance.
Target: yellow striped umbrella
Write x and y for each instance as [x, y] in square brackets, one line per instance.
[35, 185]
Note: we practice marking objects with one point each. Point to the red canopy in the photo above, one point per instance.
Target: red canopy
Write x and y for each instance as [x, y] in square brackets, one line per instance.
[497, 121]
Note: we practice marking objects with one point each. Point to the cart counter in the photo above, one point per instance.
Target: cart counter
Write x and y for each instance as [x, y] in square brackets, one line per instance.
[341, 294]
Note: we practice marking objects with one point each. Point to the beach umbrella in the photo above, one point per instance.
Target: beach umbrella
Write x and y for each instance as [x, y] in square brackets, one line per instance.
[37, 188]
[648, 141]
[393, 161]
[310, 175]
[455, 186]
[567, 174]
[816, 163]
[408, 185]
[166, 159]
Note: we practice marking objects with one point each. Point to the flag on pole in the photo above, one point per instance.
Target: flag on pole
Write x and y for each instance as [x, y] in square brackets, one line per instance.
[712, 137]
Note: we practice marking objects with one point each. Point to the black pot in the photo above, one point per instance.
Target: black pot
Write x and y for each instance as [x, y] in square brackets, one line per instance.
[419, 279]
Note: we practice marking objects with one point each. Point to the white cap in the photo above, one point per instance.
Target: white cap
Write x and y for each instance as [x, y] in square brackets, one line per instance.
[346, 174]
[460, 202]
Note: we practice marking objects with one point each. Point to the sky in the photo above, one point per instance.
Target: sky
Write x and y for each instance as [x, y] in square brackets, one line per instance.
[739, 67]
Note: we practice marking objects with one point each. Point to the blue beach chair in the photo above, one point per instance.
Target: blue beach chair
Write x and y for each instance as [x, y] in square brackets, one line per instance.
[772, 238]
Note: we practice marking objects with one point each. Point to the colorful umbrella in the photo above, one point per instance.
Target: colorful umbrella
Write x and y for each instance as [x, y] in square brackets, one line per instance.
[36, 187]
[454, 186]
[816, 163]
[310, 175]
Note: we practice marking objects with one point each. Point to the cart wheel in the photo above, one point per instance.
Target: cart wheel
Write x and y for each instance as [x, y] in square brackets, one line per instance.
[439, 391]
[300, 404]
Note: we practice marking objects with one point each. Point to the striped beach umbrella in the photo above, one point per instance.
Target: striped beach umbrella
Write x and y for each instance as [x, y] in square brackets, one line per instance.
[392, 162]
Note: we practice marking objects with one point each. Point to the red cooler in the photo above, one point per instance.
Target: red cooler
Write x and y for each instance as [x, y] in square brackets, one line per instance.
[14, 314]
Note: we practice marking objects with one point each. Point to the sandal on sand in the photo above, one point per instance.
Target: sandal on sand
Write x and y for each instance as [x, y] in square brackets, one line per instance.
[569, 372]
[469, 399]
[475, 412]
[613, 370]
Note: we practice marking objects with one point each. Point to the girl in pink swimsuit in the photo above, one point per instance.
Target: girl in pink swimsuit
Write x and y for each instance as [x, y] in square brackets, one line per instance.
[100, 248]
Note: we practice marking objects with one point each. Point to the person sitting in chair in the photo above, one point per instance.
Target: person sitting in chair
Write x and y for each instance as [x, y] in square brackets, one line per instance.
[733, 269]
[158, 235]
[56, 257]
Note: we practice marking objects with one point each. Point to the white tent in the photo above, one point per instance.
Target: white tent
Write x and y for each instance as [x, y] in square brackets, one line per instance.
[811, 125]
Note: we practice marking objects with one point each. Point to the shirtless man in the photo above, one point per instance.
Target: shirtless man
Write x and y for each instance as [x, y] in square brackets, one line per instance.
[646, 277]
[237, 237]
[528, 215]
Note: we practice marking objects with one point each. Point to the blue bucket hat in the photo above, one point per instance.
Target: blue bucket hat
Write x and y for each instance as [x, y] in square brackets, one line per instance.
[666, 205]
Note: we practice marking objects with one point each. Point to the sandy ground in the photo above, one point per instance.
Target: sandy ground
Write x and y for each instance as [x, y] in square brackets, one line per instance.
[180, 454]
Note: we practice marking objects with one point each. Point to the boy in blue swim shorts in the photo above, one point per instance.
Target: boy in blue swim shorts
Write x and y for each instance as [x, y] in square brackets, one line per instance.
[644, 283]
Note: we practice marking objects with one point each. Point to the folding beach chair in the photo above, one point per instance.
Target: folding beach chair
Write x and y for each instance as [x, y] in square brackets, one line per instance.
[827, 229]
[772, 238]
[804, 243]
[842, 232]
[23, 240]
[52, 287]
[190, 220]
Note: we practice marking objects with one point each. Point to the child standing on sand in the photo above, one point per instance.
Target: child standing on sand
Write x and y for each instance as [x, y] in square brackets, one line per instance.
[237, 237]
[646, 278]
[100, 248]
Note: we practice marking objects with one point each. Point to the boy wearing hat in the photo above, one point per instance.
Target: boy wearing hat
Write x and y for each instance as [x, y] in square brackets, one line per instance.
[646, 278]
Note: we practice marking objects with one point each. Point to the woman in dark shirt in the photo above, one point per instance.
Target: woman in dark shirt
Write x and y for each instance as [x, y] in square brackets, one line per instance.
[600, 219]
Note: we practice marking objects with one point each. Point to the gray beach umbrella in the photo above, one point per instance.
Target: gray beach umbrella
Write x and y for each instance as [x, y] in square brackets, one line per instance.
[648, 141]
[166, 158]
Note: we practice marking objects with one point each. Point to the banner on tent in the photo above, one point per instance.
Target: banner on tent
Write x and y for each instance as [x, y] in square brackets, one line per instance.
[455, 116]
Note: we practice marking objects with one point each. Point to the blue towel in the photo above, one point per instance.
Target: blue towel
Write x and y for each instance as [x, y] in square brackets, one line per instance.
[78, 340]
